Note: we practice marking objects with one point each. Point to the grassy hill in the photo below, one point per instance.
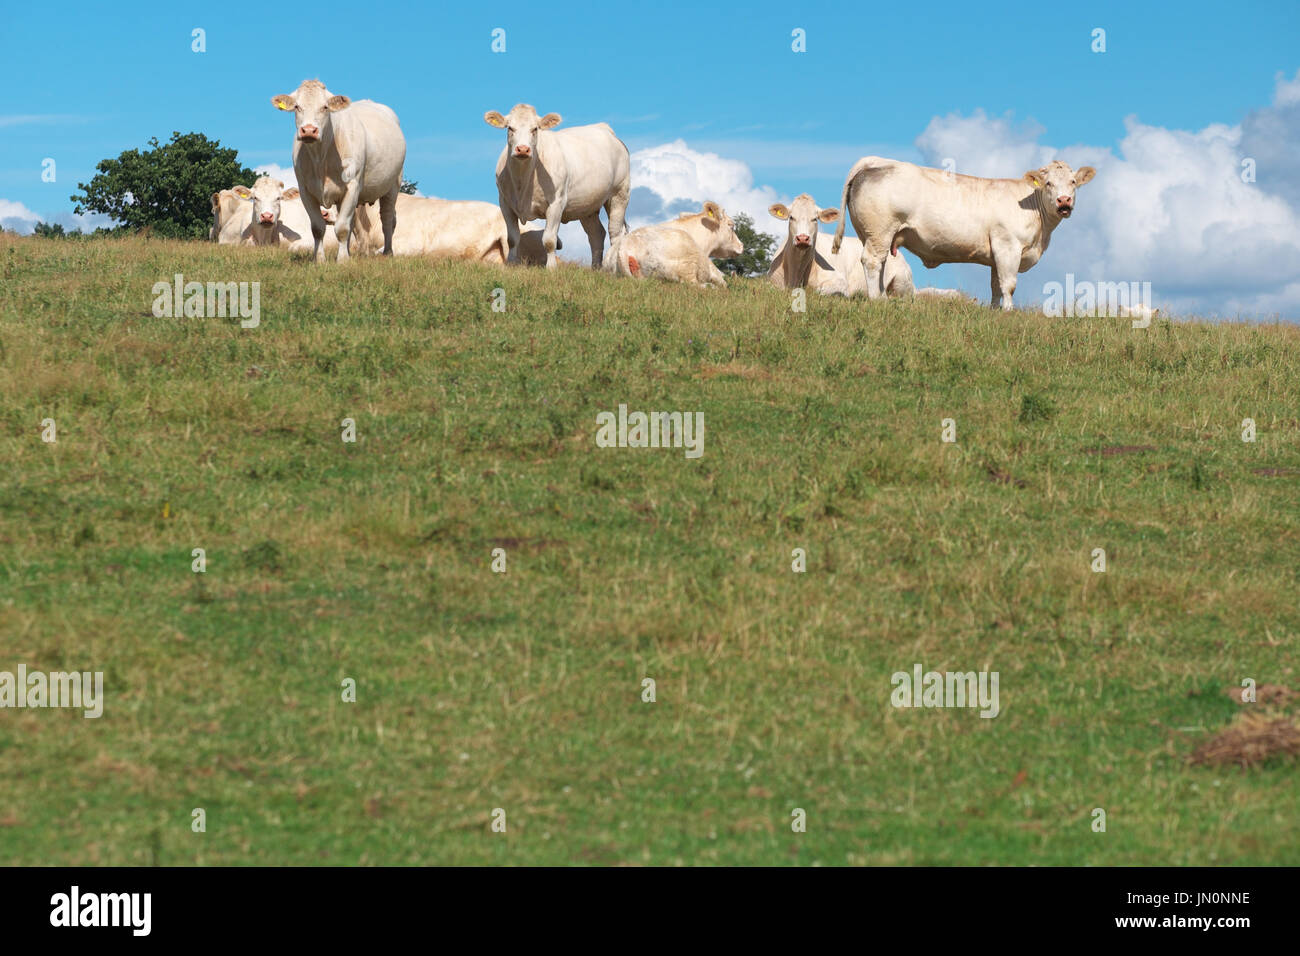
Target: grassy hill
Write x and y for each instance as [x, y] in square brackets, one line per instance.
[475, 430]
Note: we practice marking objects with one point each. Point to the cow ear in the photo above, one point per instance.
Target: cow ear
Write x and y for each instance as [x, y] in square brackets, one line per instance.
[337, 102]
[283, 101]
[243, 192]
[779, 211]
[290, 193]
[549, 121]
[1084, 174]
[712, 211]
[216, 201]
[829, 215]
[1034, 177]
[493, 118]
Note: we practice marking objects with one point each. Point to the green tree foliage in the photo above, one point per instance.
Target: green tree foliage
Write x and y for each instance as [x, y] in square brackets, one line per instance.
[757, 257]
[166, 189]
[47, 230]
[408, 186]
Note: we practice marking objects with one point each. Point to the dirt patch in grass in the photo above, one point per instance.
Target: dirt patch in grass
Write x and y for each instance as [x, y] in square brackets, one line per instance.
[1249, 742]
[1264, 694]
[735, 369]
[1275, 472]
[1110, 451]
[1002, 478]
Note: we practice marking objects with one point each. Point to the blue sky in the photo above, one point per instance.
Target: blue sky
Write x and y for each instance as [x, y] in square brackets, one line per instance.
[988, 86]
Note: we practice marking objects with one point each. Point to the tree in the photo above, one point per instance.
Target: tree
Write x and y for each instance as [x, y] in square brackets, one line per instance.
[408, 187]
[167, 188]
[47, 231]
[757, 257]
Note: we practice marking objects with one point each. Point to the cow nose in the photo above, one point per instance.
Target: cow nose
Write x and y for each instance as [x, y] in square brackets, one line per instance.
[267, 217]
[1064, 201]
[308, 132]
[523, 150]
[802, 239]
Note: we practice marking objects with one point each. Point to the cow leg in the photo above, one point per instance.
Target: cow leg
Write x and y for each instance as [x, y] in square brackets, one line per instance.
[343, 222]
[318, 227]
[596, 236]
[1006, 264]
[873, 265]
[512, 230]
[552, 231]
[616, 210]
[388, 218]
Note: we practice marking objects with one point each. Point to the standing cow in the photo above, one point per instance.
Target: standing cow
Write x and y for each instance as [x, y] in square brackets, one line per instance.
[940, 216]
[560, 176]
[344, 153]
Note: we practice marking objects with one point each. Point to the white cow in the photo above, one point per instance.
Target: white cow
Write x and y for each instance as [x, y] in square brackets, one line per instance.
[805, 259]
[440, 228]
[560, 176]
[344, 153]
[940, 216]
[231, 218]
[678, 250]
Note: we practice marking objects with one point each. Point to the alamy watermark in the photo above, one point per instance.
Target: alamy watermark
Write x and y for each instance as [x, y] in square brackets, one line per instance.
[74, 689]
[651, 430]
[950, 689]
[193, 300]
[1093, 299]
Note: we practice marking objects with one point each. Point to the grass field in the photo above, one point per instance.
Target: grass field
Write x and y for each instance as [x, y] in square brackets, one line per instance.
[522, 691]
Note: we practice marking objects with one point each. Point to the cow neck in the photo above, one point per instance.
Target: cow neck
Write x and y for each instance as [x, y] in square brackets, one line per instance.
[1048, 220]
[798, 267]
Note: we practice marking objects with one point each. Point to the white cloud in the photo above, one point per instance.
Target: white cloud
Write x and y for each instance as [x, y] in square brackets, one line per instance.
[1167, 207]
[275, 171]
[670, 179]
[15, 217]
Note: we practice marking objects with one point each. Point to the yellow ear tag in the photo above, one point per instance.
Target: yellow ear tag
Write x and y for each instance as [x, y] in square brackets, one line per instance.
[279, 105]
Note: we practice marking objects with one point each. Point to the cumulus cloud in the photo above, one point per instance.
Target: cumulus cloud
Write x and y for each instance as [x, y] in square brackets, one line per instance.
[16, 217]
[276, 171]
[1175, 208]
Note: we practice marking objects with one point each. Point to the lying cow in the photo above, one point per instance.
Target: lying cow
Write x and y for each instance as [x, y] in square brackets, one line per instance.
[231, 218]
[445, 229]
[678, 250]
[805, 259]
[560, 176]
[1005, 224]
[344, 154]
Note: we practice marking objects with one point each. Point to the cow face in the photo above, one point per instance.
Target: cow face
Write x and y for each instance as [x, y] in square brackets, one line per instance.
[311, 105]
[804, 217]
[725, 241]
[266, 196]
[522, 126]
[1056, 183]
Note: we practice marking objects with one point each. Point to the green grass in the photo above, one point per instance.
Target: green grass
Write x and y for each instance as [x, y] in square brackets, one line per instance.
[522, 690]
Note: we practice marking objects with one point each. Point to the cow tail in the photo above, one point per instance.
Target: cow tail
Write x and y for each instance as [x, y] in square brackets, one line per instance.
[858, 169]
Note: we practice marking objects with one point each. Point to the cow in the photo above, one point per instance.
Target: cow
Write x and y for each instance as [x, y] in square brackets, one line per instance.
[678, 250]
[344, 153]
[269, 215]
[231, 218]
[941, 217]
[560, 176]
[805, 259]
[439, 228]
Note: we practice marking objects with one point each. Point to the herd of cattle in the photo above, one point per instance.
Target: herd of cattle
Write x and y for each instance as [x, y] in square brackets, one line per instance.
[348, 158]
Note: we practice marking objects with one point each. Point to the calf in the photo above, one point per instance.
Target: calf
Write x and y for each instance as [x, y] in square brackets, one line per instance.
[560, 176]
[1005, 224]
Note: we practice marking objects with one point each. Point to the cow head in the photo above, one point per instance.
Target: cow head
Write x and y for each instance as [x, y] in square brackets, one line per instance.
[522, 126]
[266, 196]
[804, 217]
[1056, 183]
[311, 105]
[725, 242]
